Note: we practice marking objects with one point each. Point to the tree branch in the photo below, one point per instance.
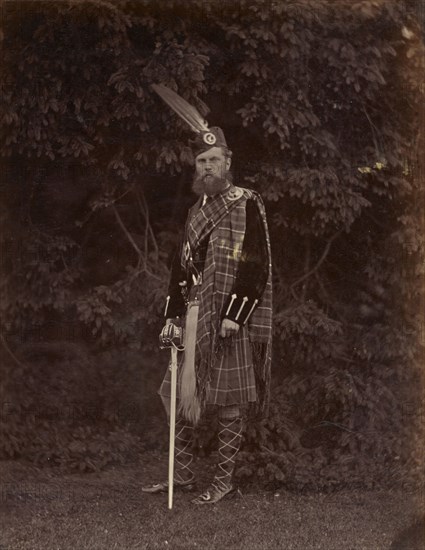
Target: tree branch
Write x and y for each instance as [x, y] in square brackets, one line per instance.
[374, 129]
[126, 232]
[327, 298]
[319, 263]
[10, 352]
[141, 199]
[306, 264]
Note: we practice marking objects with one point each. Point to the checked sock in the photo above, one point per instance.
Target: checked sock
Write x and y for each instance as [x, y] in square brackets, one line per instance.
[229, 437]
[183, 450]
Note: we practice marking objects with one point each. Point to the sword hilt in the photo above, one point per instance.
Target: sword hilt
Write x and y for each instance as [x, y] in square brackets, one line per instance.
[171, 337]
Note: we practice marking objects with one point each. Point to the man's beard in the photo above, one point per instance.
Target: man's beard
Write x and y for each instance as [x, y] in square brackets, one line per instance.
[208, 184]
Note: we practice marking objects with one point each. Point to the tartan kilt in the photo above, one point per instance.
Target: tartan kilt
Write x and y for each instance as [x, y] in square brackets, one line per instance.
[232, 376]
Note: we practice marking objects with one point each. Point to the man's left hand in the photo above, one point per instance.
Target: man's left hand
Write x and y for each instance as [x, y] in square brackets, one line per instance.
[228, 328]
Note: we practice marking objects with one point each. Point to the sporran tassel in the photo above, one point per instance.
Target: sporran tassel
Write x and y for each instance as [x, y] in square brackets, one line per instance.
[189, 406]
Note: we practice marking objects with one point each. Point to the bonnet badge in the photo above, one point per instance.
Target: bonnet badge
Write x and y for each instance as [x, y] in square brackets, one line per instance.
[209, 138]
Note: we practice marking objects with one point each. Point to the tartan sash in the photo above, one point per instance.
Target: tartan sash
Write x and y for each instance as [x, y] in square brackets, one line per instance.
[202, 220]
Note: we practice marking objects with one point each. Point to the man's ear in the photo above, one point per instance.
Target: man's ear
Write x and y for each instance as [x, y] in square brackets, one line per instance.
[228, 163]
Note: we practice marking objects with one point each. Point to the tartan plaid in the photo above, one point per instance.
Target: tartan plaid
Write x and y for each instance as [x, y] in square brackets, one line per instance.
[236, 370]
[232, 378]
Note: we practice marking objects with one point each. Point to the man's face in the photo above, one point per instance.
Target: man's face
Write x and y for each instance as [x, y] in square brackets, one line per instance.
[212, 168]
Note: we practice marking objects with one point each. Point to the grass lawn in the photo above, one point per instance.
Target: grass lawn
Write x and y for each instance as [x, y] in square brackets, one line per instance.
[43, 509]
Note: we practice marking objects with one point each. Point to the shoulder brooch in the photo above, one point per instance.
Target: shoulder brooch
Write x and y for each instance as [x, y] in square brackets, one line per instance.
[234, 193]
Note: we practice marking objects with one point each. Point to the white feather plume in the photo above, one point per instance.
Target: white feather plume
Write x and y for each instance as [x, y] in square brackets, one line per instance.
[184, 109]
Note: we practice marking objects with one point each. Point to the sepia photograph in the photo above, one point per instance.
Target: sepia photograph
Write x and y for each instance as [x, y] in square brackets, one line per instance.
[212, 274]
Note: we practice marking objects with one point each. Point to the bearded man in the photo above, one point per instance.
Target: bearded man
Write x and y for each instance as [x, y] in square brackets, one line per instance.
[220, 291]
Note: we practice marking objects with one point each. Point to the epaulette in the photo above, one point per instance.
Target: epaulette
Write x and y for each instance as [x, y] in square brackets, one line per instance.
[251, 194]
[247, 193]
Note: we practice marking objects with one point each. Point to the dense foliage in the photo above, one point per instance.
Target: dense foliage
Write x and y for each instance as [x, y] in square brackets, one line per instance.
[322, 104]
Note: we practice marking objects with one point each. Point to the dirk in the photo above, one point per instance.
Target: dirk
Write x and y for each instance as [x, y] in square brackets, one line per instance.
[186, 252]
[183, 290]
[244, 301]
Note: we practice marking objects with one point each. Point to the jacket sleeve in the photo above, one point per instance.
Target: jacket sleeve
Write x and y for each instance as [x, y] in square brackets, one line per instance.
[252, 274]
[174, 304]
